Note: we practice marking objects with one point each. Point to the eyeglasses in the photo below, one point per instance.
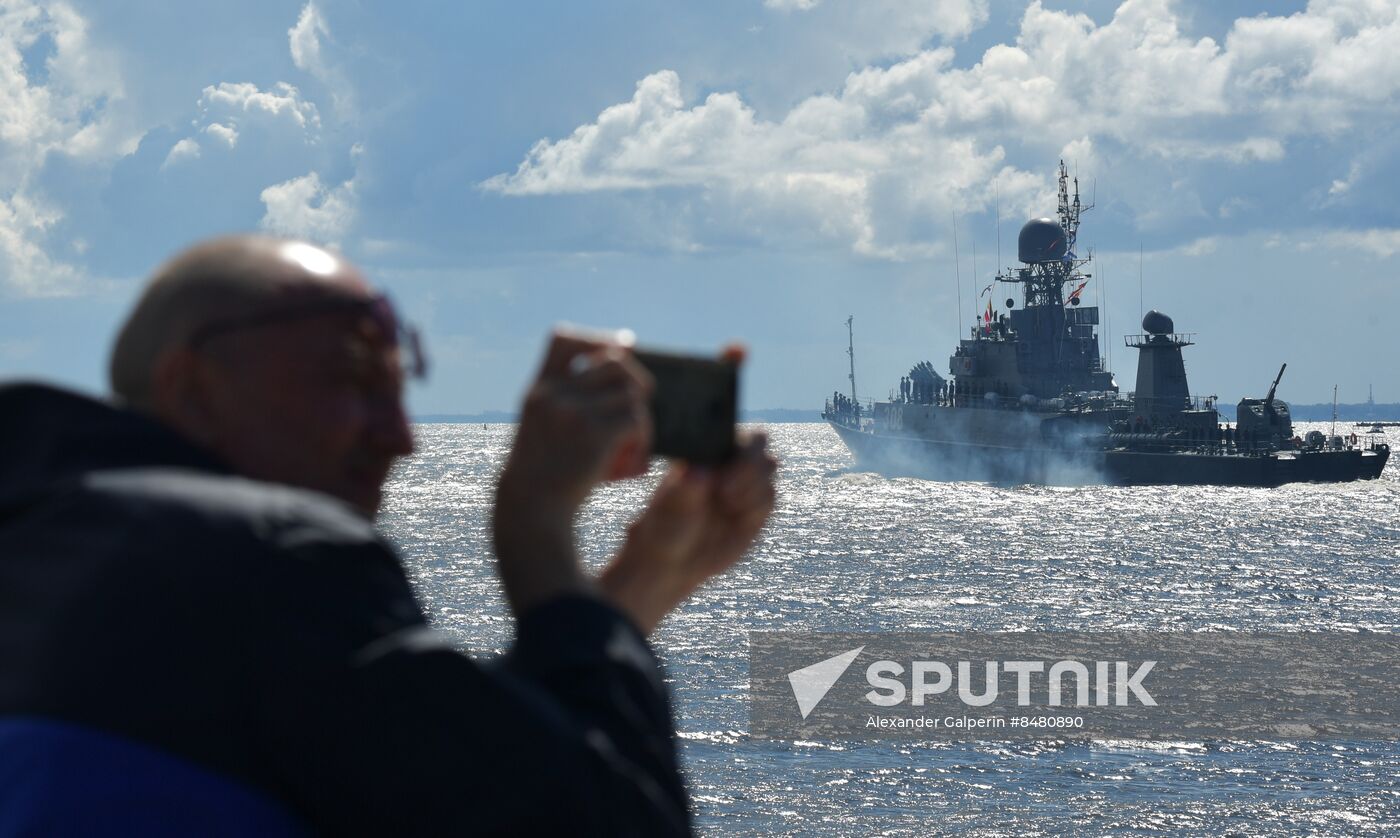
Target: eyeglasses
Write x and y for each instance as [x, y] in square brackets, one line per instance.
[403, 336]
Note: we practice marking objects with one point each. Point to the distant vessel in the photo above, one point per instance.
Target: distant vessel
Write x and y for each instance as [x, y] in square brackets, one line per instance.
[1031, 401]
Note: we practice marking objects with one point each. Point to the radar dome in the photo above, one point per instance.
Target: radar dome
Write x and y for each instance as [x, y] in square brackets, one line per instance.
[1157, 323]
[1041, 240]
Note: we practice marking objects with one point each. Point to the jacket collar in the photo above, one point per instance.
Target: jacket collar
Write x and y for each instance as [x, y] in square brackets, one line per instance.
[50, 436]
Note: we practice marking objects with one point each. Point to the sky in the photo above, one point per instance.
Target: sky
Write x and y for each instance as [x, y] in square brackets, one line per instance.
[752, 170]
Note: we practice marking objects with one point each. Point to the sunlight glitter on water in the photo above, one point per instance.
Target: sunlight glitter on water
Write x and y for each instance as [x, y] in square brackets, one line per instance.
[853, 551]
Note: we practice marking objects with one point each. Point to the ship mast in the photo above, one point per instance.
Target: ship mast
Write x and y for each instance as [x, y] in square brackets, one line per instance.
[1048, 250]
[1044, 282]
[851, 351]
[1334, 410]
[1069, 210]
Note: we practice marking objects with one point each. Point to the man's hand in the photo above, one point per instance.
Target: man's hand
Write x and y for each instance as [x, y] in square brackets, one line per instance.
[699, 523]
[585, 420]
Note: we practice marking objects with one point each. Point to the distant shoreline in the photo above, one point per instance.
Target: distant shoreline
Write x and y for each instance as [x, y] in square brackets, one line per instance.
[1362, 412]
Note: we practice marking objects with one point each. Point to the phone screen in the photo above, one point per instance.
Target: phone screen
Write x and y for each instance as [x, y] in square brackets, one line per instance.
[694, 407]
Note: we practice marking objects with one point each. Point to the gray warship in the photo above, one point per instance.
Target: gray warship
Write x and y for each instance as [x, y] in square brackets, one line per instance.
[1030, 399]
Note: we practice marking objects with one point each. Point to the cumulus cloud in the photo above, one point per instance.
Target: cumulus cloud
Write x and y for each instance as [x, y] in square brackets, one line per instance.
[186, 149]
[653, 140]
[234, 101]
[1321, 69]
[62, 94]
[279, 117]
[305, 208]
[305, 38]
[881, 163]
[825, 168]
[864, 31]
[74, 105]
[226, 134]
[29, 269]
[308, 54]
[76, 109]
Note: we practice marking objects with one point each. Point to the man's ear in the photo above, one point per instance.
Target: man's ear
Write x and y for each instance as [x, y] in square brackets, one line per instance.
[181, 394]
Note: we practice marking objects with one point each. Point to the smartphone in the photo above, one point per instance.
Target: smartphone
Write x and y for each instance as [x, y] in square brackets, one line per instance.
[694, 407]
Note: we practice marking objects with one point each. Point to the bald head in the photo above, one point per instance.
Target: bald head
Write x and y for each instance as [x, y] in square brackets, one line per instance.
[276, 356]
[216, 281]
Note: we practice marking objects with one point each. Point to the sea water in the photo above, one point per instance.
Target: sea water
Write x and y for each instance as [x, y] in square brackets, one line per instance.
[849, 550]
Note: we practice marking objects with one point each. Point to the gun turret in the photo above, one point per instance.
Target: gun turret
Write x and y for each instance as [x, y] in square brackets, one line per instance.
[1269, 402]
[1264, 422]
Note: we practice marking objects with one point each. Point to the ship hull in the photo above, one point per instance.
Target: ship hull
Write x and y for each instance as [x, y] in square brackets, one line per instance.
[936, 459]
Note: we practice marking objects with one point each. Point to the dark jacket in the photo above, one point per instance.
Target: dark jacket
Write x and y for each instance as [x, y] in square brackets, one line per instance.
[268, 634]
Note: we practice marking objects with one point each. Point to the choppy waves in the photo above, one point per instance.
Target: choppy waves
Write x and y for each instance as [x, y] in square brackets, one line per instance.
[854, 551]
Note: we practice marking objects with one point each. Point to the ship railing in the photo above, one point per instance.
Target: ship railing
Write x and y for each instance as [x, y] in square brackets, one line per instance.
[850, 418]
[1189, 403]
[1178, 338]
[1366, 440]
[1348, 442]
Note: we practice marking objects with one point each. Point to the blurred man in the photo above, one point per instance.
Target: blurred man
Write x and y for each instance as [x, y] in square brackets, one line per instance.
[201, 632]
